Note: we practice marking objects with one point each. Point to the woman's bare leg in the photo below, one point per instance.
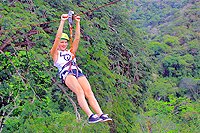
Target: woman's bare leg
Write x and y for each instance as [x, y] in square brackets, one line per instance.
[89, 94]
[74, 85]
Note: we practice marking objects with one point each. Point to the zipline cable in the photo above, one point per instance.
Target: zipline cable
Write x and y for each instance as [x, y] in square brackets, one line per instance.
[94, 9]
[113, 2]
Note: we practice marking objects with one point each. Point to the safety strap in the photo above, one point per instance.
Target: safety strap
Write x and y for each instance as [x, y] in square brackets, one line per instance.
[67, 64]
[70, 67]
[70, 20]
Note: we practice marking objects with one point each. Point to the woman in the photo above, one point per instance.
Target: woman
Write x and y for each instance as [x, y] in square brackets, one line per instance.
[71, 74]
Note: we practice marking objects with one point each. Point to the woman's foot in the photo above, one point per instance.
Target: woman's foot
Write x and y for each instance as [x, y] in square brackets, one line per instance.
[94, 119]
[105, 118]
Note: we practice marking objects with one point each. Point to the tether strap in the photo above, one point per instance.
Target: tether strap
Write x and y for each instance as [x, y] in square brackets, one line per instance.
[70, 39]
[70, 20]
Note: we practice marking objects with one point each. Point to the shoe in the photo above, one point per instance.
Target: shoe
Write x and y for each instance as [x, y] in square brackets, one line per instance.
[105, 118]
[94, 119]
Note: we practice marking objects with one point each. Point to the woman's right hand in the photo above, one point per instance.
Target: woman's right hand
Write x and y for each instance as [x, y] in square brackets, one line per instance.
[64, 17]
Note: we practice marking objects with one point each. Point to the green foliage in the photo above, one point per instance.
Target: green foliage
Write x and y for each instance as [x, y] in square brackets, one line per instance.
[178, 65]
[190, 88]
[164, 114]
[162, 88]
[173, 24]
[142, 80]
[171, 40]
[54, 122]
[151, 13]
[157, 48]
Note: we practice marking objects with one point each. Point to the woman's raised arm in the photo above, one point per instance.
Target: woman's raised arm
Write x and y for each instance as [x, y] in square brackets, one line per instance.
[75, 43]
[58, 35]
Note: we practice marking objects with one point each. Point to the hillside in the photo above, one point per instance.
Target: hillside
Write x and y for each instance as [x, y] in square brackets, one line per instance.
[140, 57]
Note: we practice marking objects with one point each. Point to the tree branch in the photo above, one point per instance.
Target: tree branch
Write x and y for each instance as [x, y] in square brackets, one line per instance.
[73, 103]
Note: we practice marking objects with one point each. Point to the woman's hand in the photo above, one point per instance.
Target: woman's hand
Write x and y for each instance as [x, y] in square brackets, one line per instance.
[64, 17]
[77, 18]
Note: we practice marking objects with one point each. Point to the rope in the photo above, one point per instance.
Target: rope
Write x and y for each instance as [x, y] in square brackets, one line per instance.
[113, 2]
[17, 28]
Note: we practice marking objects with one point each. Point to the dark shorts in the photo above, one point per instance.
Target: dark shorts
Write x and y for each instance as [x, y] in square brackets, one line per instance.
[76, 73]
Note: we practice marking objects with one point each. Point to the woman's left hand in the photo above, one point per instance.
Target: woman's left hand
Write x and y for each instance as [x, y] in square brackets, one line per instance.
[77, 18]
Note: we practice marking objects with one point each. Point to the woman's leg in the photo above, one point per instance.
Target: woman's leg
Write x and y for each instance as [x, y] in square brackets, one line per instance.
[89, 94]
[74, 85]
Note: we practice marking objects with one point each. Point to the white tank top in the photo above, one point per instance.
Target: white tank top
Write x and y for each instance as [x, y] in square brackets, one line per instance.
[63, 58]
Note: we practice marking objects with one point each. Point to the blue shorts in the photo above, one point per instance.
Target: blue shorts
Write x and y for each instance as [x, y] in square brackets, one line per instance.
[76, 73]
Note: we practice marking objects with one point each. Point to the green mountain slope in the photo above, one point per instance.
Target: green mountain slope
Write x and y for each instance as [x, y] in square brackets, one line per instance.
[173, 50]
[141, 58]
[30, 94]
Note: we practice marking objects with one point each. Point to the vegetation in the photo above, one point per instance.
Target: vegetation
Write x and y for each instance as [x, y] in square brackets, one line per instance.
[141, 58]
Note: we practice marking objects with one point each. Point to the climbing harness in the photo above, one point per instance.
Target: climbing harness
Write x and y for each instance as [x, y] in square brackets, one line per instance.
[76, 72]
